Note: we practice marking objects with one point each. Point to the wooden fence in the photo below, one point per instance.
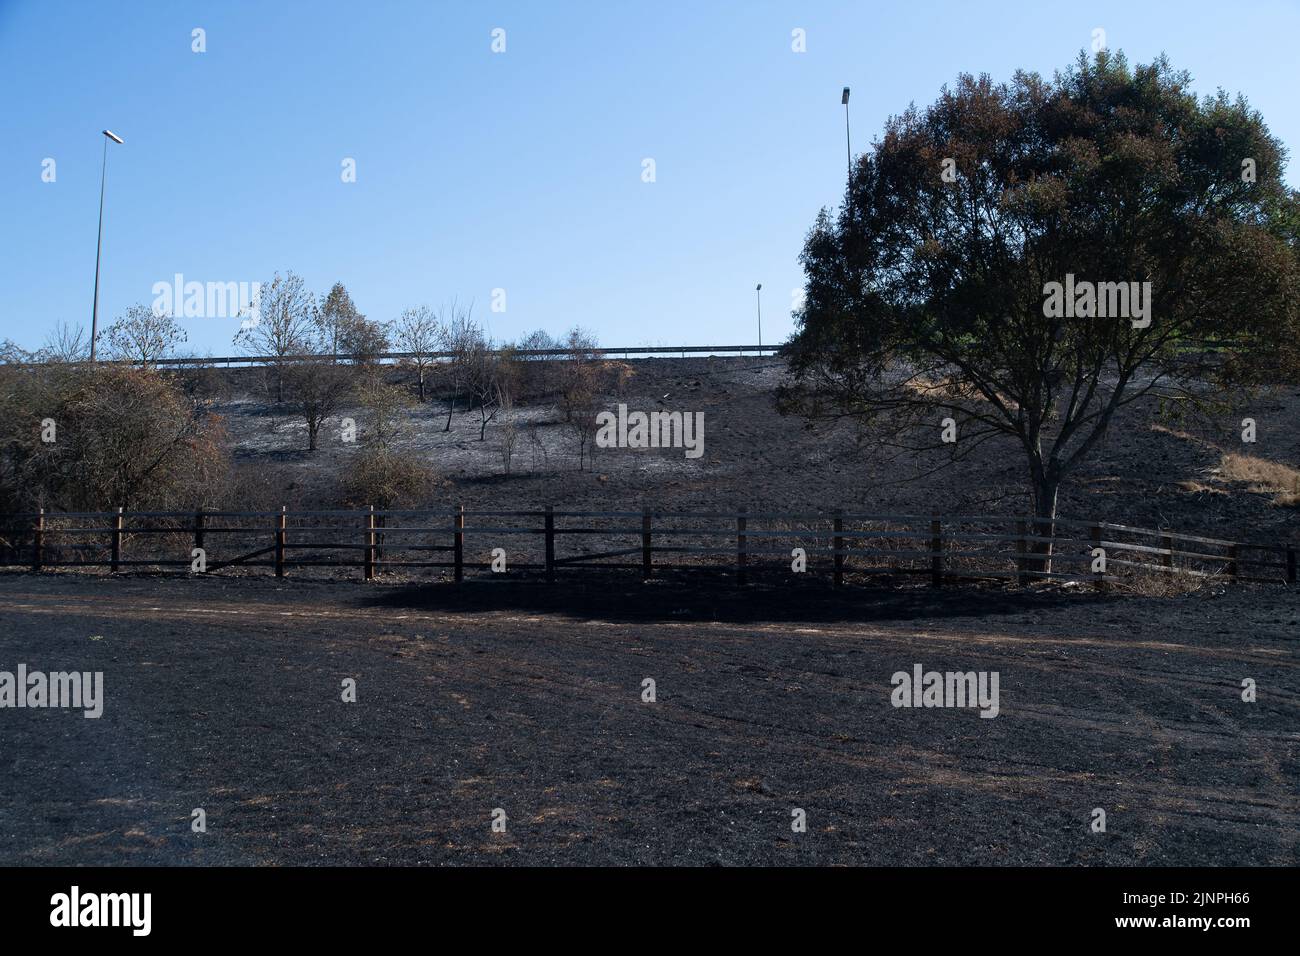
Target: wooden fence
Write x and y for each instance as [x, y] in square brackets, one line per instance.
[741, 543]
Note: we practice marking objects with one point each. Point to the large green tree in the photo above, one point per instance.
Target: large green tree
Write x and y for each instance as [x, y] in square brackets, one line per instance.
[927, 295]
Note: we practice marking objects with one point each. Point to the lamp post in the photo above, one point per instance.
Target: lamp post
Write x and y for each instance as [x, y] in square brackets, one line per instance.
[848, 148]
[758, 300]
[99, 245]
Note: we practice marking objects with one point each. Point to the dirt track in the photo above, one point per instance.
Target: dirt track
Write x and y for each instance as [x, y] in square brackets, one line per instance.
[225, 694]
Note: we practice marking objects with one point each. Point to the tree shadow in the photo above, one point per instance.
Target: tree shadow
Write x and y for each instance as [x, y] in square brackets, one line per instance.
[625, 598]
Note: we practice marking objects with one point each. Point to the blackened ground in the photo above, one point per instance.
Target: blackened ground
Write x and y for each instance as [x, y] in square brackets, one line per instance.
[225, 694]
[1144, 473]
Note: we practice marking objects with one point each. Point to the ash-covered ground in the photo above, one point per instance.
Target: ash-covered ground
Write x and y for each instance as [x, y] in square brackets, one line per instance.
[226, 695]
[1148, 472]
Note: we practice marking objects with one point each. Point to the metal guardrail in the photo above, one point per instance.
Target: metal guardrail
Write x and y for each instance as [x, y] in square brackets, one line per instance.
[231, 361]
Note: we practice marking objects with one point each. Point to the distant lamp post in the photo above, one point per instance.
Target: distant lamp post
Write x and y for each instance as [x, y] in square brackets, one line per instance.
[99, 245]
[848, 148]
[758, 299]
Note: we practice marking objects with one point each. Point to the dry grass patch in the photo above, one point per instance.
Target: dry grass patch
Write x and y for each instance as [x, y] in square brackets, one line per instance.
[1153, 583]
[1267, 477]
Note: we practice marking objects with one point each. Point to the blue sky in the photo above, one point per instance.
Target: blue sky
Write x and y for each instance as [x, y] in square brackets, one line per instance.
[520, 170]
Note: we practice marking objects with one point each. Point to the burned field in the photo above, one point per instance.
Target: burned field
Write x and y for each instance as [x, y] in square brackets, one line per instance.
[226, 695]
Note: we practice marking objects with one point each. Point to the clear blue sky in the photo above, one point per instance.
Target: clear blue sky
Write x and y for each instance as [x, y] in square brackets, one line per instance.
[519, 170]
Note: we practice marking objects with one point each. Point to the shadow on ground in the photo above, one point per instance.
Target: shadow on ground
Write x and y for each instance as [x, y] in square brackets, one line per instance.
[614, 598]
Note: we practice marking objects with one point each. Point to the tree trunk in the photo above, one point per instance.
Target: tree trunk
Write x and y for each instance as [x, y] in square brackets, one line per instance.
[1046, 486]
[313, 429]
[421, 386]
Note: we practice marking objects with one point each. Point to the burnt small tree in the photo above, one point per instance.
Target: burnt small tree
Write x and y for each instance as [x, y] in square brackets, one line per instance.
[318, 389]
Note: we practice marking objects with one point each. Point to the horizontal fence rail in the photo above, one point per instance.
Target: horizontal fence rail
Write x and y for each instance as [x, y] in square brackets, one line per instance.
[841, 544]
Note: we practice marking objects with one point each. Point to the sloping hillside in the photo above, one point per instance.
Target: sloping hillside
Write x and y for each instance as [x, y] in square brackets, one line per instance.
[1145, 473]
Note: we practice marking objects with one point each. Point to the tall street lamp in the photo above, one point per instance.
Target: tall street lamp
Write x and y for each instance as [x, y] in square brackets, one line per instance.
[848, 148]
[758, 297]
[99, 245]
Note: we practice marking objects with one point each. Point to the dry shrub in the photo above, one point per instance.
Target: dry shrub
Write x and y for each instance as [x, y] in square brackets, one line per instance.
[126, 437]
[1153, 583]
[387, 479]
[618, 375]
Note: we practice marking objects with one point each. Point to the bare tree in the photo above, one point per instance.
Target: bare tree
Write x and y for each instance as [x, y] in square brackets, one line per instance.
[537, 447]
[11, 353]
[415, 332]
[481, 380]
[509, 426]
[461, 337]
[583, 409]
[66, 343]
[282, 326]
[143, 335]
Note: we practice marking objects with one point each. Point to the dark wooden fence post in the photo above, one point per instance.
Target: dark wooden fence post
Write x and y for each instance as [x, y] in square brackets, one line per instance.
[370, 544]
[38, 541]
[1290, 565]
[281, 538]
[550, 544]
[646, 570]
[837, 545]
[198, 528]
[1021, 576]
[1167, 544]
[741, 552]
[936, 553]
[115, 549]
[458, 541]
[1232, 560]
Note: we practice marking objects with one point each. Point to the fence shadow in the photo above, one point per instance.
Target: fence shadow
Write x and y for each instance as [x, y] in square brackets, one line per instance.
[615, 598]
